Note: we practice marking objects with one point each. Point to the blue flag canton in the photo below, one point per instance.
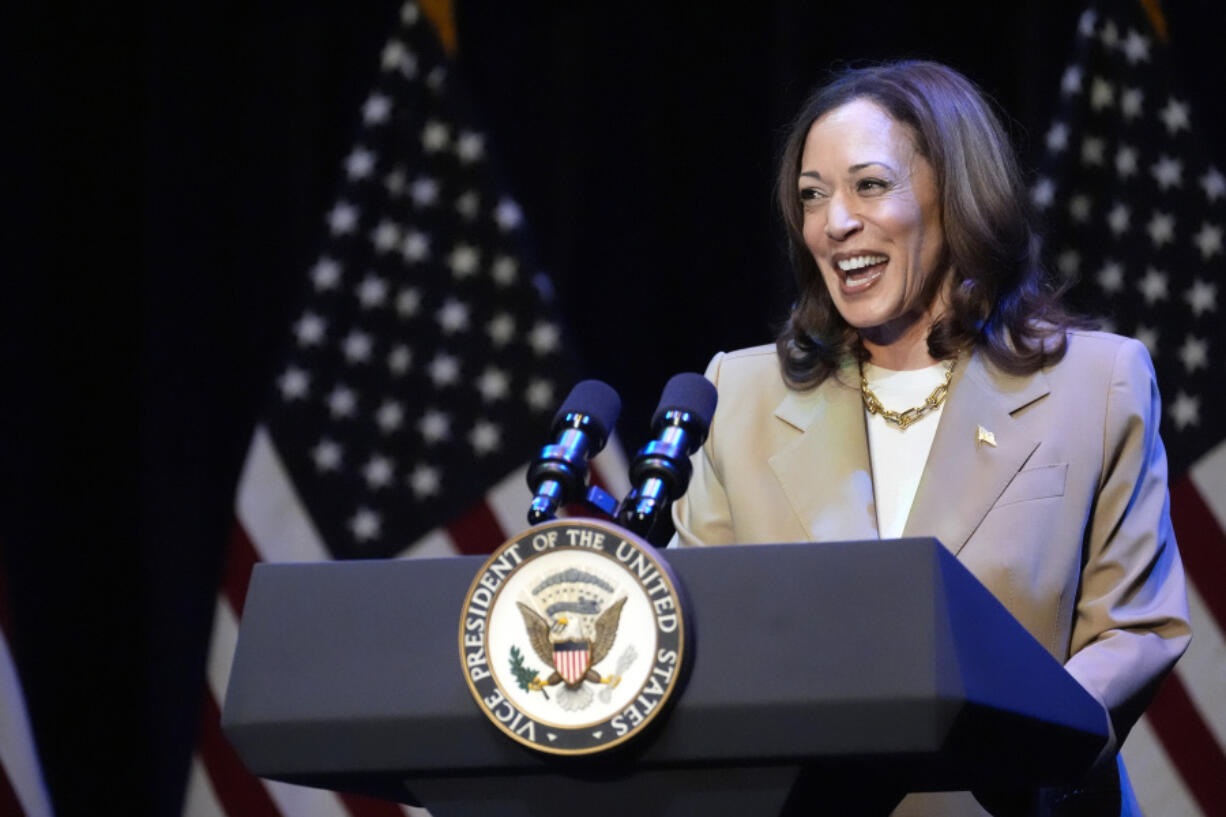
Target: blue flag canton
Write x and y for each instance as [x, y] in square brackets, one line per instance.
[424, 363]
[1135, 208]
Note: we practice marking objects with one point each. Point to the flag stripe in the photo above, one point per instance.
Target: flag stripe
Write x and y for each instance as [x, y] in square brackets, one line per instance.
[1202, 545]
[224, 639]
[1157, 784]
[241, 559]
[476, 530]
[359, 806]
[18, 758]
[236, 789]
[271, 511]
[1190, 746]
[1203, 668]
[200, 799]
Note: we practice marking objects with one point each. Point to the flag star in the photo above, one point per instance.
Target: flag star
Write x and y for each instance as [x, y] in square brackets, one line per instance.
[327, 455]
[1117, 219]
[1057, 137]
[310, 329]
[463, 260]
[1136, 47]
[1086, 23]
[399, 359]
[434, 426]
[408, 302]
[493, 384]
[365, 525]
[342, 402]
[485, 438]
[393, 56]
[1108, 325]
[359, 163]
[390, 416]
[1070, 83]
[424, 481]
[1110, 35]
[1168, 172]
[326, 274]
[378, 472]
[395, 182]
[1153, 286]
[1194, 353]
[1069, 262]
[1209, 240]
[1202, 297]
[1185, 411]
[470, 147]
[424, 191]
[1161, 228]
[410, 13]
[1044, 193]
[452, 316]
[468, 204]
[1102, 94]
[1214, 184]
[1079, 207]
[444, 370]
[356, 347]
[342, 218]
[385, 236]
[544, 338]
[507, 215]
[1126, 161]
[435, 136]
[1111, 277]
[539, 395]
[1175, 116]
[375, 109]
[416, 246]
[501, 329]
[293, 383]
[1092, 150]
[436, 78]
[505, 270]
[1130, 103]
[372, 292]
[1149, 337]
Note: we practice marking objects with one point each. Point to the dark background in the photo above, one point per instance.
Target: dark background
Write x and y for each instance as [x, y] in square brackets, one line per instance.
[164, 188]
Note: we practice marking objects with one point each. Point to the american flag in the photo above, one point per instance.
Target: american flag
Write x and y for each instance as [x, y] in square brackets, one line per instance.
[22, 790]
[423, 368]
[1136, 209]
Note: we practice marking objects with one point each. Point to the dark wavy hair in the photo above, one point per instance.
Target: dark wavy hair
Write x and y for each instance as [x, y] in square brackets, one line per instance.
[1001, 299]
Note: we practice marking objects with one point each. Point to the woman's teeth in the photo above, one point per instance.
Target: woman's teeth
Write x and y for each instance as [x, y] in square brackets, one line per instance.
[859, 262]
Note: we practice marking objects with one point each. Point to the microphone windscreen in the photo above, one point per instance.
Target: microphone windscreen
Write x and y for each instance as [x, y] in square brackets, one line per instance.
[688, 392]
[597, 400]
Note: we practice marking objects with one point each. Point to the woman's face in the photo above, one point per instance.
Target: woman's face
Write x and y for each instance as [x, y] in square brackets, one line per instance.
[872, 220]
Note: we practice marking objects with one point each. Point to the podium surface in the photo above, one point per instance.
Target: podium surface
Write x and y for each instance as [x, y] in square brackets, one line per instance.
[877, 661]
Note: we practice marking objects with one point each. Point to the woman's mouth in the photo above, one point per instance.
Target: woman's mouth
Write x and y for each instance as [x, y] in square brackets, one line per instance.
[860, 271]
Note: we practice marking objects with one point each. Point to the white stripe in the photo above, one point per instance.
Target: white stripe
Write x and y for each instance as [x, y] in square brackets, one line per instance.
[201, 798]
[508, 500]
[614, 471]
[271, 512]
[221, 648]
[1209, 476]
[301, 801]
[1203, 667]
[437, 544]
[17, 753]
[1159, 788]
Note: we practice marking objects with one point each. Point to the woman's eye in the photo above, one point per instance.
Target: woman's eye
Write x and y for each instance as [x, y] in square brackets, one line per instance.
[810, 194]
[870, 184]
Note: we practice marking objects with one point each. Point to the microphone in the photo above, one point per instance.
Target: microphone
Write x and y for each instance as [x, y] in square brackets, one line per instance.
[661, 469]
[580, 429]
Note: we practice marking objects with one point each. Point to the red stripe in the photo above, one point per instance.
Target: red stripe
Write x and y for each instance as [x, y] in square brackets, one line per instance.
[361, 806]
[1193, 750]
[9, 804]
[1202, 545]
[241, 559]
[476, 530]
[238, 791]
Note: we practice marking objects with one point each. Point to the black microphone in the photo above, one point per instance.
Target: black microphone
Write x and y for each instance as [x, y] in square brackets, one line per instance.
[661, 469]
[580, 429]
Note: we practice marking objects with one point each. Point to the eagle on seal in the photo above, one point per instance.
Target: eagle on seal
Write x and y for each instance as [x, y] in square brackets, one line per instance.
[557, 643]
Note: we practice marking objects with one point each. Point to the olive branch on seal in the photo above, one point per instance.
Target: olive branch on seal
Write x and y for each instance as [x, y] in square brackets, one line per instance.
[523, 675]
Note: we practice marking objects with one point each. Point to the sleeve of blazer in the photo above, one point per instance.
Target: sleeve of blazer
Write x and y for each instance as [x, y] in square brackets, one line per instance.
[701, 516]
[1131, 619]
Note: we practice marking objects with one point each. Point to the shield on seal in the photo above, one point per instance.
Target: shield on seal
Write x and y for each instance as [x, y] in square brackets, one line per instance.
[571, 660]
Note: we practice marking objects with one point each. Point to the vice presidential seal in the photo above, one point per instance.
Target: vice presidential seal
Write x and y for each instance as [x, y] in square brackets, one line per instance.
[572, 637]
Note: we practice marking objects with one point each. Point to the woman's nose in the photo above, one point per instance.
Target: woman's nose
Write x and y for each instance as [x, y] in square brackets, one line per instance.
[841, 221]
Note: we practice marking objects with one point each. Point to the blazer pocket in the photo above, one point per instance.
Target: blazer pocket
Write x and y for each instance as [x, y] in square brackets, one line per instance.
[1040, 482]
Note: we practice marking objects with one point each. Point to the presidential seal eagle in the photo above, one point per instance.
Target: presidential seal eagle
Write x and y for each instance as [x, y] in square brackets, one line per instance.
[566, 645]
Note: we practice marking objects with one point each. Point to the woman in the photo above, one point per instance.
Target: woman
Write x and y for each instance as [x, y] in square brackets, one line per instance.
[927, 383]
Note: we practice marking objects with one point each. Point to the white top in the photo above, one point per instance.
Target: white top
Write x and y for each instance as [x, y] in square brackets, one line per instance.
[898, 455]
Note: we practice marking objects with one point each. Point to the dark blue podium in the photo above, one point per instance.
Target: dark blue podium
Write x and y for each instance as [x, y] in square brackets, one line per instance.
[850, 667]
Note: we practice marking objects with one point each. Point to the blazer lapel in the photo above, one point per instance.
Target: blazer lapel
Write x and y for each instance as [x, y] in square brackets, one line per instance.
[825, 472]
[967, 470]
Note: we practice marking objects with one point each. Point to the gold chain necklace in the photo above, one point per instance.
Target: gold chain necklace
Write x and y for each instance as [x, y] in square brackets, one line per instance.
[912, 415]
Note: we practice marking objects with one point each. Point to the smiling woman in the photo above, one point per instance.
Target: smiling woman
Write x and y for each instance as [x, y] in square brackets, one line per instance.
[928, 383]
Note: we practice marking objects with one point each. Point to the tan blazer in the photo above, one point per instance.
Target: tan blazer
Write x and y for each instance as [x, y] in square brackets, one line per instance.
[1064, 519]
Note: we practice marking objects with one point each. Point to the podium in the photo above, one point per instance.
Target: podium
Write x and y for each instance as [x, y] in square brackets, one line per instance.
[826, 670]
